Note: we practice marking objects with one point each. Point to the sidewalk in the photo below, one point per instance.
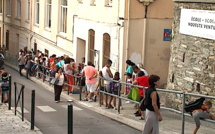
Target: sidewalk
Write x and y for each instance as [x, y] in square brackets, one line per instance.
[11, 124]
[171, 123]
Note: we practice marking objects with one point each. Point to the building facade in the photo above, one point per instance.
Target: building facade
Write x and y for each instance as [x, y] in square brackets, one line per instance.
[138, 30]
[192, 62]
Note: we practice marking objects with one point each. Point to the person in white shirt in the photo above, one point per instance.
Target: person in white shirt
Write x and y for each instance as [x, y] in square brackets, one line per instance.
[107, 74]
[136, 69]
[58, 87]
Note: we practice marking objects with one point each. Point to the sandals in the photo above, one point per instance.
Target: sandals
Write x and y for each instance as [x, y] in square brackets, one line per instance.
[142, 118]
[85, 99]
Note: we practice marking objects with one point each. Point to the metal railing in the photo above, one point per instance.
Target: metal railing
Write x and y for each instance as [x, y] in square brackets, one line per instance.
[76, 80]
[183, 96]
[20, 96]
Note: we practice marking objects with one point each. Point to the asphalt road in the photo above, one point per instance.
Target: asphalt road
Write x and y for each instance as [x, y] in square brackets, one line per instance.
[51, 117]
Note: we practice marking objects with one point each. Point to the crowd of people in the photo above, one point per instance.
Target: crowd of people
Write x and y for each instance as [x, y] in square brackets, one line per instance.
[65, 68]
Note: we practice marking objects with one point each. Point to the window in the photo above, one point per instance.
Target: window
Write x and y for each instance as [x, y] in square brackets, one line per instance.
[63, 19]
[92, 2]
[0, 6]
[91, 45]
[106, 48]
[18, 9]
[37, 12]
[28, 10]
[108, 3]
[8, 12]
[48, 13]
[80, 1]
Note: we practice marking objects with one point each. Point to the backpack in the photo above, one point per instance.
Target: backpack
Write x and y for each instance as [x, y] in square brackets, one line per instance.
[193, 105]
[5, 85]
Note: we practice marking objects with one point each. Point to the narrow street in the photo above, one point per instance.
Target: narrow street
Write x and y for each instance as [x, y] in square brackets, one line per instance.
[51, 117]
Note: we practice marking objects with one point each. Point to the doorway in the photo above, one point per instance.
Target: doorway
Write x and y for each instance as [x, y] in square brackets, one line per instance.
[81, 49]
[7, 39]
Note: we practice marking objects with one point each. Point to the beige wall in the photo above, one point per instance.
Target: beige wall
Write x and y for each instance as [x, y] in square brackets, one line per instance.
[145, 44]
[157, 51]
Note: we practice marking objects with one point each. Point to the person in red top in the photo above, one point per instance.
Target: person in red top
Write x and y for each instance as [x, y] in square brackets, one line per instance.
[202, 113]
[141, 80]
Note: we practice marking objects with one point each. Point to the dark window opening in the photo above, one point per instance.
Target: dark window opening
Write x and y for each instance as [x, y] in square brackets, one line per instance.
[173, 78]
[198, 87]
[184, 57]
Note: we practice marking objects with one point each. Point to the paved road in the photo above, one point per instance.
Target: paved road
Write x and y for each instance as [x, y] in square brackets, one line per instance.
[51, 117]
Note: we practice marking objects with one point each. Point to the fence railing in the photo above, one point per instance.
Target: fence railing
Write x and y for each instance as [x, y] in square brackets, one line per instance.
[183, 98]
[20, 95]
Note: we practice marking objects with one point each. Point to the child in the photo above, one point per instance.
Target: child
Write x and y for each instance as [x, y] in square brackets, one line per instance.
[128, 80]
[100, 86]
[202, 113]
[115, 89]
[5, 86]
[141, 80]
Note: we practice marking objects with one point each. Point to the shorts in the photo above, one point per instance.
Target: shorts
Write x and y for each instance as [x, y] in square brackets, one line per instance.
[199, 115]
[107, 88]
[101, 88]
[91, 87]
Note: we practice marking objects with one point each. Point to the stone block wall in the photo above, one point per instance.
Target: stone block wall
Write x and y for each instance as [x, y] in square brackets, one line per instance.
[192, 62]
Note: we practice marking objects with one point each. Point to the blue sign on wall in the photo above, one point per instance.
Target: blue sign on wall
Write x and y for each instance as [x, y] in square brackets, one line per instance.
[167, 35]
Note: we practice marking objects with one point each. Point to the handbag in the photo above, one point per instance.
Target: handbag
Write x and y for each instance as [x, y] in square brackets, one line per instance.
[135, 94]
[143, 104]
[54, 81]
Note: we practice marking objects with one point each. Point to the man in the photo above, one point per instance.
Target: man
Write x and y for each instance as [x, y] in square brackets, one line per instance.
[21, 61]
[107, 74]
[90, 78]
[136, 69]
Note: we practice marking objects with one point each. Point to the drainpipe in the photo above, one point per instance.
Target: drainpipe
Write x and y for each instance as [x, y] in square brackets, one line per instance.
[128, 26]
[146, 4]
[31, 23]
[3, 14]
[144, 35]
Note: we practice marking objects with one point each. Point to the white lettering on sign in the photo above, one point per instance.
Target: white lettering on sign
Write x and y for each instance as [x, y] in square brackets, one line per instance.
[200, 23]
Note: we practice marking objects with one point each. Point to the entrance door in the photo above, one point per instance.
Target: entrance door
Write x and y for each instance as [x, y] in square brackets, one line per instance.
[81, 49]
[35, 47]
[106, 48]
[7, 39]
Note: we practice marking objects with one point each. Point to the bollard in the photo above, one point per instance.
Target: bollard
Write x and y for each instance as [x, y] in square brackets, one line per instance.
[70, 117]
[15, 92]
[22, 90]
[32, 109]
[9, 97]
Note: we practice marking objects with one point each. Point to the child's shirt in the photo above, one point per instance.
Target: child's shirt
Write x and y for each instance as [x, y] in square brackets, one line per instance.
[128, 87]
[203, 108]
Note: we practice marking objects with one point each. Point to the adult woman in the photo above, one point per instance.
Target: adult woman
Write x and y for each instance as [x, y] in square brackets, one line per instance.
[69, 69]
[129, 68]
[59, 86]
[152, 107]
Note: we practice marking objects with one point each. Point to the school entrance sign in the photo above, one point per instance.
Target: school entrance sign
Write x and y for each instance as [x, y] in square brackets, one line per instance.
[200, 23]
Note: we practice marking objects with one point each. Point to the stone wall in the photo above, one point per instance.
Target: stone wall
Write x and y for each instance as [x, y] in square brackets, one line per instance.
[192, 62]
